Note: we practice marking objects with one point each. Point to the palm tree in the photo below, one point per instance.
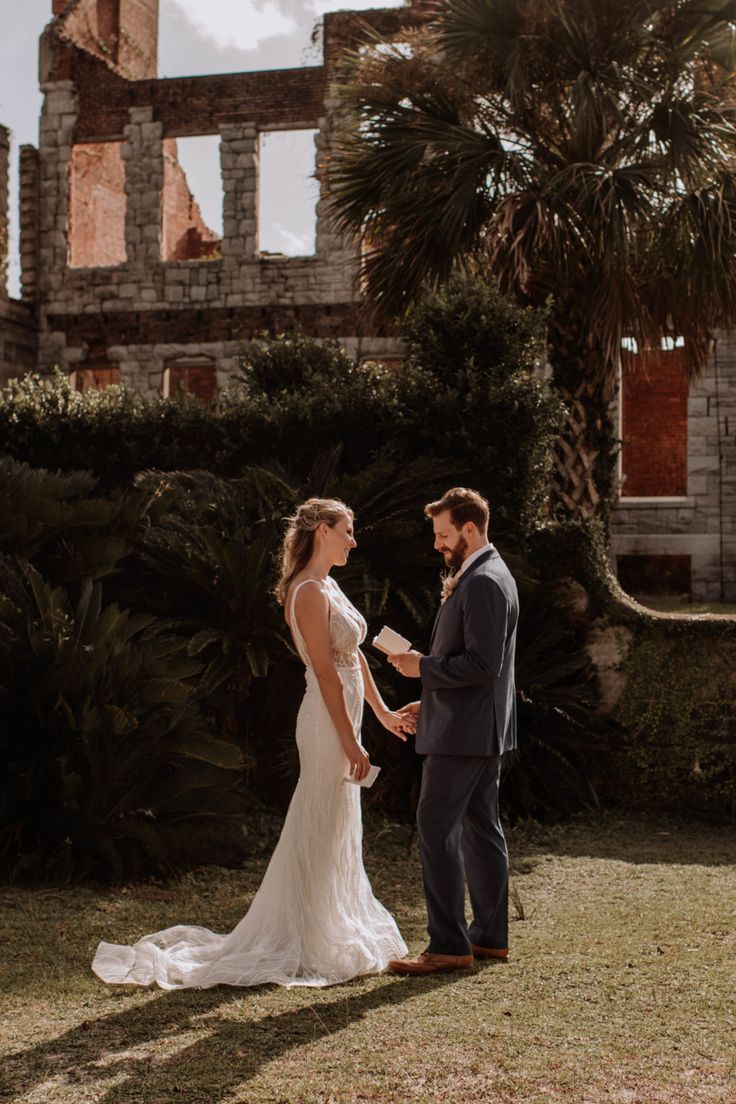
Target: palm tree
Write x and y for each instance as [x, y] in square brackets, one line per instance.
[578, 152]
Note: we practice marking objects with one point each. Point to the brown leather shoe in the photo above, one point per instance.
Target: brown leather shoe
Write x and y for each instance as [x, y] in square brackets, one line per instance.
[429, 963]
[501, 954]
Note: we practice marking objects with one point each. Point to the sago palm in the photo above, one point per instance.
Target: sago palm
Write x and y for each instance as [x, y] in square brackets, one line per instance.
[580, 153]
[106, 760]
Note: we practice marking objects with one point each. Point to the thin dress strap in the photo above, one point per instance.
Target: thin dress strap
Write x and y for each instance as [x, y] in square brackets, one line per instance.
[301, 647]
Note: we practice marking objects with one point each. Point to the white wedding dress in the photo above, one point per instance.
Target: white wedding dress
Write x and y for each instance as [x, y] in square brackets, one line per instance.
[314, 920]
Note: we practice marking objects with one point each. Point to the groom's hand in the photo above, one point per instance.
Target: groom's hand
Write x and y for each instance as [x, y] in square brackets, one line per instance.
[407, 663]
[411, 710]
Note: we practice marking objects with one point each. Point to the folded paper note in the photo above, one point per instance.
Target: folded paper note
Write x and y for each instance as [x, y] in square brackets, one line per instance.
[369, 779]
[390, 642]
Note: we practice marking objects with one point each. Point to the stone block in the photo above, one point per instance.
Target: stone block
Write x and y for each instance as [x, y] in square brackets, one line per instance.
[705, 462]
[697, 484]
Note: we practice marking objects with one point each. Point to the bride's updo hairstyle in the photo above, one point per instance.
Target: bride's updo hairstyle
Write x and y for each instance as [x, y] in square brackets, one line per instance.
[298, 545]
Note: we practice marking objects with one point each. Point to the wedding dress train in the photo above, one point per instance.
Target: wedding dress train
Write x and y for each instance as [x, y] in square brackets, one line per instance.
[314, 920]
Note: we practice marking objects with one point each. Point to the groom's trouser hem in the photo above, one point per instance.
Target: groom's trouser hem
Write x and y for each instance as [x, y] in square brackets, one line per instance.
[449, 785]
[487, 864]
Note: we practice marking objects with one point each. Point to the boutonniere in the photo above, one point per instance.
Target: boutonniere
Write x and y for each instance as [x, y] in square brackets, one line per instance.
[449, 582]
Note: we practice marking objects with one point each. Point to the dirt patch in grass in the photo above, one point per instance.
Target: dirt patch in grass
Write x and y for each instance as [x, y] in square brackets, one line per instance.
[620, 989]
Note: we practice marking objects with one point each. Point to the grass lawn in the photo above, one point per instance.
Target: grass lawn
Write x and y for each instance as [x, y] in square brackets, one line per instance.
[620, 989]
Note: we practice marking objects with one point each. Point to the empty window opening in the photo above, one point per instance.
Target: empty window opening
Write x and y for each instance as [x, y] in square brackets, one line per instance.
[654, 395]
[197, 377]
[94, 379]
[192, 199]
[96, 205]
[287, 193]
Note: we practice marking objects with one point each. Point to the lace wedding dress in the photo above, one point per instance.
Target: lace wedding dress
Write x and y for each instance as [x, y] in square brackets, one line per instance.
[314, 920]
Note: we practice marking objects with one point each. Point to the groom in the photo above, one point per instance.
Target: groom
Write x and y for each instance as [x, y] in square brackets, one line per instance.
[466, 720]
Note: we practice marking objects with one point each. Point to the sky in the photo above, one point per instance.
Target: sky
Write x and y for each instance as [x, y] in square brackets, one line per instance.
[195, 37]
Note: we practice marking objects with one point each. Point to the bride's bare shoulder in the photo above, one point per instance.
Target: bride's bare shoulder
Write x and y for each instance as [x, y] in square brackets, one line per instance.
[311, 599]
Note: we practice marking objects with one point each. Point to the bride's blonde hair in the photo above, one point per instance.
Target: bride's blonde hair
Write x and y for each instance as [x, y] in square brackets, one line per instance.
[298, 543]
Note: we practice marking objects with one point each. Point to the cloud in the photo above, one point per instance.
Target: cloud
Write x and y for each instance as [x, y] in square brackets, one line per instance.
[296, 245]
[239, 23]
[230, 36]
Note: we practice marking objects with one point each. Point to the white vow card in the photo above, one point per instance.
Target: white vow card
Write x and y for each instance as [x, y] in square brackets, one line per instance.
[390, 642]
[369, 779]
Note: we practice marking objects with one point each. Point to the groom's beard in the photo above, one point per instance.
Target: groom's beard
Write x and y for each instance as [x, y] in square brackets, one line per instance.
[454, 557]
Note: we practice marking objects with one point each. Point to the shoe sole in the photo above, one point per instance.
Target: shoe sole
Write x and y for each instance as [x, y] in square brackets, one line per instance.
[434, 970]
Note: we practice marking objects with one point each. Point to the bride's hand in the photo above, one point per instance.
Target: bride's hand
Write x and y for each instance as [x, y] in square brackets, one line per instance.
[358, 759]
[399, 724]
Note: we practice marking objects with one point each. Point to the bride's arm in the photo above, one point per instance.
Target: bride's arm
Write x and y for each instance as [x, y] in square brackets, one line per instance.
[394, 722]
[312, 613]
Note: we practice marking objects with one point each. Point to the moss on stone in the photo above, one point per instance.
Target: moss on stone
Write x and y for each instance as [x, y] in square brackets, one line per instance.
[669, 681]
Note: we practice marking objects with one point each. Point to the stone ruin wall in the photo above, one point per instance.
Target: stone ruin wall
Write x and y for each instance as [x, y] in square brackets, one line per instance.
[18, 340]
[696, 526]
[164, 290]
[160, 321]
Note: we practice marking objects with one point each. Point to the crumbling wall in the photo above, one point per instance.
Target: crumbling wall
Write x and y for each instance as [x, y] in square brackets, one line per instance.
[185, 236]
[29, 221]
[121, 33]
[177, 293]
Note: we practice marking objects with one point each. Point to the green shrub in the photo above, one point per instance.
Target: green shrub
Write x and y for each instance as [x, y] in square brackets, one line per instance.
[296, 397]
[107, 765]
[468, 392]
[113, 432]
[466, 397]
[178, 518]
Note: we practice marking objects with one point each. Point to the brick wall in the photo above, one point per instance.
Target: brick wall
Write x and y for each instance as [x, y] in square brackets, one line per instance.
[96, 205]
[29, 214]
[654, 394]
[196, 378]
[121, 33]
[95, 378]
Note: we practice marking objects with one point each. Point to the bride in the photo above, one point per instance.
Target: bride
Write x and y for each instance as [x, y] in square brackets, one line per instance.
[314, 920]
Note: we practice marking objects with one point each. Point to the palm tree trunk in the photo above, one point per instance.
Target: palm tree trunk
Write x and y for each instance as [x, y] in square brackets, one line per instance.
[584, 478]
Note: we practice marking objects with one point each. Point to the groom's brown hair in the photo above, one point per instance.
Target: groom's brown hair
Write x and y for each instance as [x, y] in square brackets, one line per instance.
[464, 505]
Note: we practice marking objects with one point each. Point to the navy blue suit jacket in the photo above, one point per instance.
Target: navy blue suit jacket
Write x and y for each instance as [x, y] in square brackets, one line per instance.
[468, 704]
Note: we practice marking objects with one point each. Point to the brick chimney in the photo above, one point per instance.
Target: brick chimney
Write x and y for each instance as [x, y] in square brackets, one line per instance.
[122, 32]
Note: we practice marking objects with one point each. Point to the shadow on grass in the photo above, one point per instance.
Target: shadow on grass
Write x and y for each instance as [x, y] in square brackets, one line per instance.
[228, 1054]
[631, 838]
